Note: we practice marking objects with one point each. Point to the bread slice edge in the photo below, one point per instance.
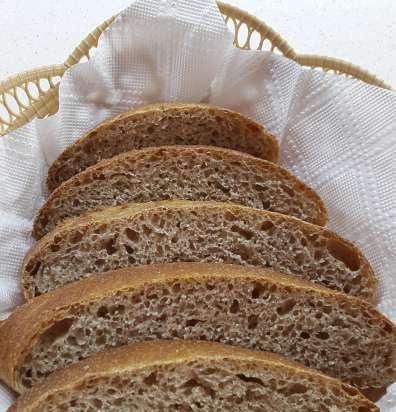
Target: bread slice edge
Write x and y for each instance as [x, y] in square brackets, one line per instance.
[130, 211]
[24, 327]
[52, 182]
[228, 155]
[159, 353]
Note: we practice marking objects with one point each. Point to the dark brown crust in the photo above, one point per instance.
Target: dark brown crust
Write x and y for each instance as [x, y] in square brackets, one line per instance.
[20, 332]
[130, 211]
[227, 155]
[262, 135]
[150, 354]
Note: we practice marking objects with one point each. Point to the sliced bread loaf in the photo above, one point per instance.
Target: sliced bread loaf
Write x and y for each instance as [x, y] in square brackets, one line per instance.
[190, 376]
[251, 307]
[181, 172]
[170, 231]
[164, 124]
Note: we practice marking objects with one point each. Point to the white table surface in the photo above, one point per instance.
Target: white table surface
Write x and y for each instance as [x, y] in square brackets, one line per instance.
[43, 32]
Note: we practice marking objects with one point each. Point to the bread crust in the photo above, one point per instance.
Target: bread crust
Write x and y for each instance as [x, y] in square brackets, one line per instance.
[131, 211]
[20, 332]
[122, 163]
[139, 357]
[263, 139]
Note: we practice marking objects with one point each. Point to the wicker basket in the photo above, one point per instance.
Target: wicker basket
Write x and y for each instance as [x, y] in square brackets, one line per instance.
[34, 93]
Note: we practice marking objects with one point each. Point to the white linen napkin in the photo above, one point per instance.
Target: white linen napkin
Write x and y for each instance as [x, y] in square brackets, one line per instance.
[337, 134]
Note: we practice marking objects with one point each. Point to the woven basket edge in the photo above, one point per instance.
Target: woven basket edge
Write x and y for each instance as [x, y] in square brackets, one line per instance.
[46, 101]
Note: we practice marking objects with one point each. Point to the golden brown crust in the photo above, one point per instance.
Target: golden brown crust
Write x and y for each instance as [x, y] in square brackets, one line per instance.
[20, 332]
[263, 135]
[158, 353]
[129, 211]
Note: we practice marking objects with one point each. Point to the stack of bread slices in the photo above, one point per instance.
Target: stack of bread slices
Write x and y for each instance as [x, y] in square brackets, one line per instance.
[178, 268]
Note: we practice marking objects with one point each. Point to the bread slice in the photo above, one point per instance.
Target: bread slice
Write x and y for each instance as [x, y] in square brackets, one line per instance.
[181, 172]
[252, 307]
[164, 124]
[190, 376]
[169, 231]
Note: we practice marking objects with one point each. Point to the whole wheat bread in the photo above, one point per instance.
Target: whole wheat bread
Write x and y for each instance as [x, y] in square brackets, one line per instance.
[164, 124]
[251, 307]
[181, 172]
[190, 376]
[170, 231]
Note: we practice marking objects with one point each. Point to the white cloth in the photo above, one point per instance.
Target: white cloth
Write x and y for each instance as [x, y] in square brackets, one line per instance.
[337, 134]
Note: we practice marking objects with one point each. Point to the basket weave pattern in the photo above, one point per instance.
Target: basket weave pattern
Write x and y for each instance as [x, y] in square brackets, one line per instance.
[34, 93]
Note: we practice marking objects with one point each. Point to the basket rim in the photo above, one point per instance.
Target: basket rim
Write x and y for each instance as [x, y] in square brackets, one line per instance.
[259, 26]
[47, 102]
[306, 60]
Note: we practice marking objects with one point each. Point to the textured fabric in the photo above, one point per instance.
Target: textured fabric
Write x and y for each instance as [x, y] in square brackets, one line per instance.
[336, 134]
